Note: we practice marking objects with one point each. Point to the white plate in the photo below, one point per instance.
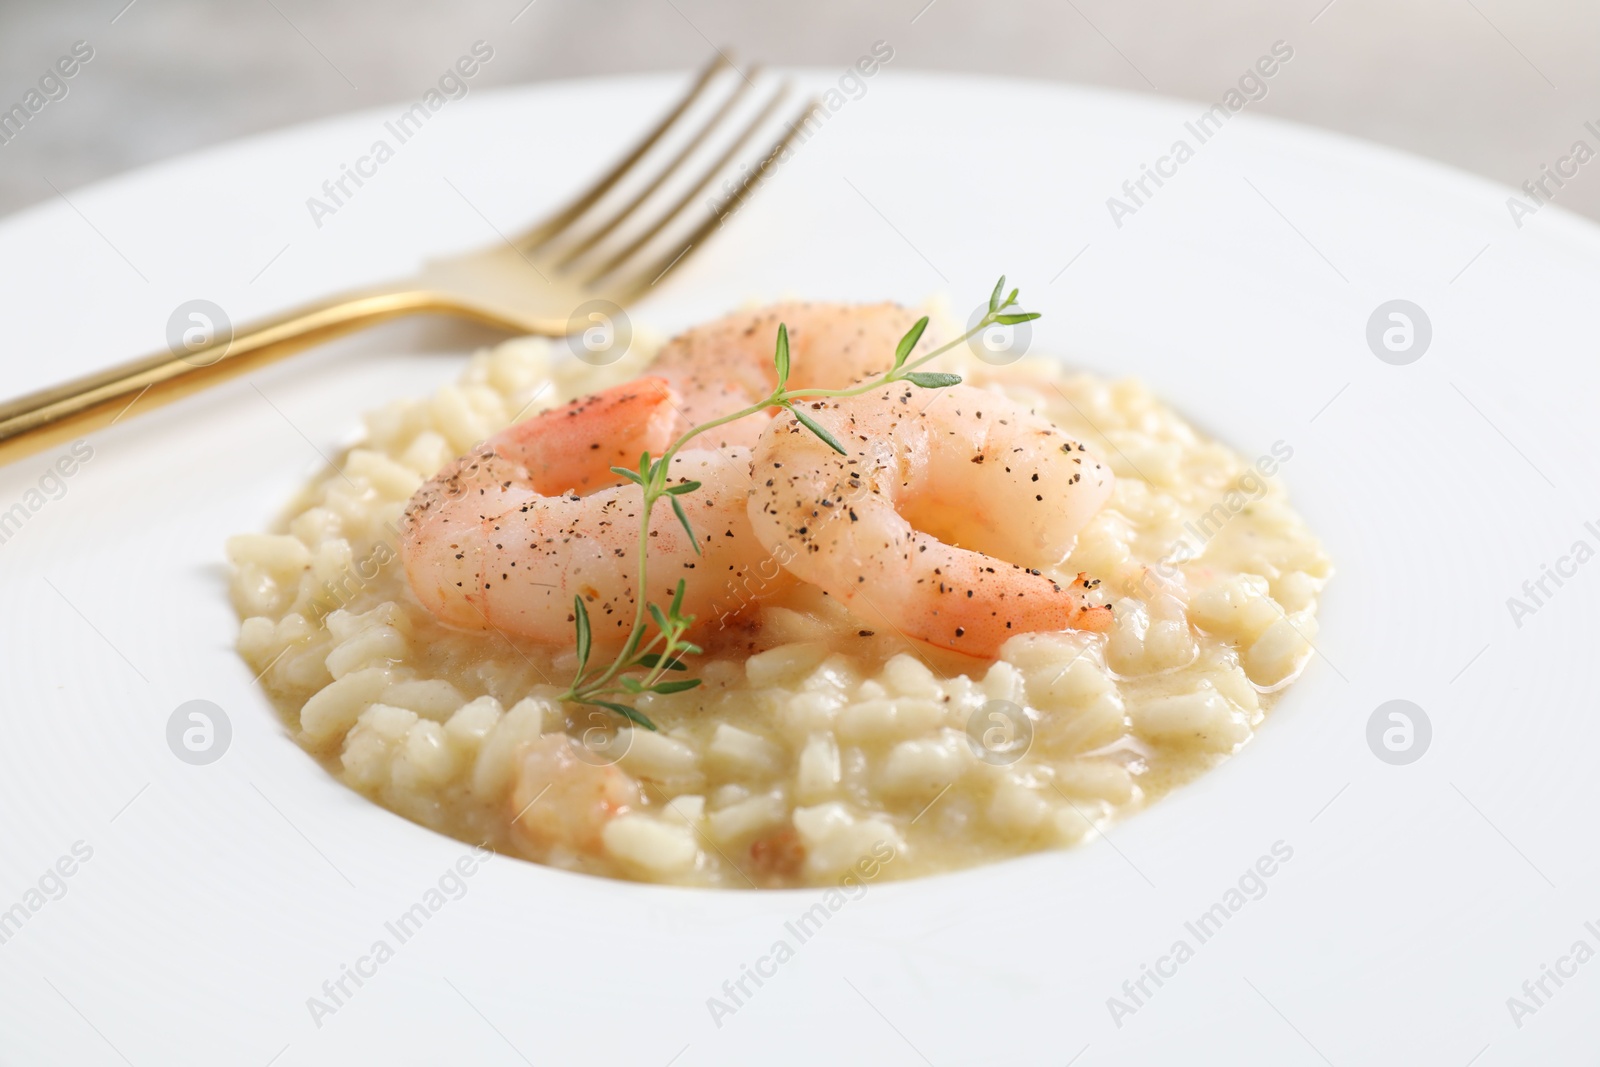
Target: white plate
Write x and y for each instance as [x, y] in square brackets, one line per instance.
[1419, 898]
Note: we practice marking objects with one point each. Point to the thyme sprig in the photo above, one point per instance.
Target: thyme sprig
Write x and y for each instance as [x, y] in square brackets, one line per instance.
[656, 645]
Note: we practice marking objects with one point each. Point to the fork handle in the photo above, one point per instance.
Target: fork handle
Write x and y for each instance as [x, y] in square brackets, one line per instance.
[63, 412]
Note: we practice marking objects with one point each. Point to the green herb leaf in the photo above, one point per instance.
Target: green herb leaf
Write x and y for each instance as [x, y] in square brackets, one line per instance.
[680, 488]
[675, 687]
[817, 428]
[652, 660]
[676, 609]
[631, 685]
[644, 465]
[933, 379]
[661, 620]
[687, 649]
[1012, 320]
[631, 714]
[994, 297]
[581, 614]
[780, 358]
[632, 476]
[1012, 299]
[677, 509]
[909, 341]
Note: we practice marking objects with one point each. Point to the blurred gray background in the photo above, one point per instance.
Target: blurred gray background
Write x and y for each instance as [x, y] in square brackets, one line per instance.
[1500, 87]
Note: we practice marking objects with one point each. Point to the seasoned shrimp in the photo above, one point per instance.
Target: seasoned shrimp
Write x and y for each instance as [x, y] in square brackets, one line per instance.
[1005, 489]
[506, 536]
[727, 364]
[560, 802]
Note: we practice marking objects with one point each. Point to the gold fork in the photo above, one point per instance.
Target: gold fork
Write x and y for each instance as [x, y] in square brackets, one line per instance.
[556, 279]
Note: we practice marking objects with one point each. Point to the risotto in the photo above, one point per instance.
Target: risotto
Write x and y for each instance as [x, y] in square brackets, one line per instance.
[819, 747]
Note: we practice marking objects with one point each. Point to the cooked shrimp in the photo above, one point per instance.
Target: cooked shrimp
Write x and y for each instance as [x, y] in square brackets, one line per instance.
[1005, 489]
[560, 802]
[504, 537]
[727, 364]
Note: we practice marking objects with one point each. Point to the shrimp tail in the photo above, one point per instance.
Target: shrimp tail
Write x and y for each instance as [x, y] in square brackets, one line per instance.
[1093, 618]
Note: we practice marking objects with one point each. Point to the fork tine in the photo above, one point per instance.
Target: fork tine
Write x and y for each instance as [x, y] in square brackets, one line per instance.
[699, 185]
[666, 265]
[542, 232]
[622, 214]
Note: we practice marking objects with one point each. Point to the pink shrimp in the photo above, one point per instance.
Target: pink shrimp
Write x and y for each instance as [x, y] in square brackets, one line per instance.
[583, 796]
[1001, 492]
[727, 364]
[506, 536]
